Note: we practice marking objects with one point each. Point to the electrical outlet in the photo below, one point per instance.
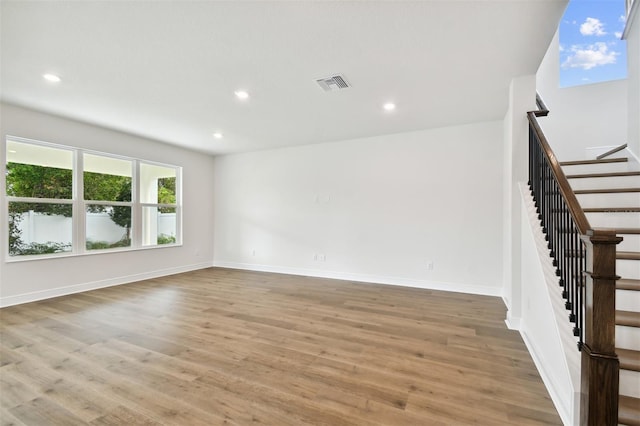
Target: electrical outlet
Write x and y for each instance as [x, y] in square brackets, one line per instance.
[430, 265]
[253, 252]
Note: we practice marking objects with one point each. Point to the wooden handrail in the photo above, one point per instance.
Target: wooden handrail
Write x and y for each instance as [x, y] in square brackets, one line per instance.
[542, 110]
[575, 209]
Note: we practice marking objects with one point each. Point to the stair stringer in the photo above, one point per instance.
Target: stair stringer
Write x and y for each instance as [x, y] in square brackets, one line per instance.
[545, 327]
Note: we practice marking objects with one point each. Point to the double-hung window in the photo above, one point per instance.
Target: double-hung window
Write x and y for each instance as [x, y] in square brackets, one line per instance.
[159, 204]
[39, 198]
[108, 201]
[74, 201]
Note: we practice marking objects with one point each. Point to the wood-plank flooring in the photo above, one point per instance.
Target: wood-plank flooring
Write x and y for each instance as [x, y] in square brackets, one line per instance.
[220, 346]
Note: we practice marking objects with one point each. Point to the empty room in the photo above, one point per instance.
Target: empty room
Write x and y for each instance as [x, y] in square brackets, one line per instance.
[318, 213]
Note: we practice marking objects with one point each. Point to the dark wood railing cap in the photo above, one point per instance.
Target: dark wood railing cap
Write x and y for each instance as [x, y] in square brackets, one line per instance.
[603, 236]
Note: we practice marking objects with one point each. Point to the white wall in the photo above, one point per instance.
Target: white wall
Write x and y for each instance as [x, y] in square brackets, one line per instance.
[516, 170]
[633, 66]
[29, 280]
[583, 116]
[378, 209]
[544, 324]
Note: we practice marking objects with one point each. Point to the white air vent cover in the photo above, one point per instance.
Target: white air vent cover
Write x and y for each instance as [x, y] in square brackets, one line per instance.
[333, 83]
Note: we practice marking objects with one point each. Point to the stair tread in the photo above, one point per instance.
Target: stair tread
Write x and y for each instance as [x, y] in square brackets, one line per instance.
[618, 231]
[628, 318]
[620, 255]
[612, 210]
[596, 161]
[628, 284]
[628, 255]
[606, 191]
[629, 359]
[629, 410]
[598, 175]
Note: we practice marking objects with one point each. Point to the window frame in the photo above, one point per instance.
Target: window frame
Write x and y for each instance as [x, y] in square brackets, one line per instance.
[79, 204]
[143, 205]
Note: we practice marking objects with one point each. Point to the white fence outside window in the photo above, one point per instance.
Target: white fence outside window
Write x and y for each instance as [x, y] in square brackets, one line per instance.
[42, 228]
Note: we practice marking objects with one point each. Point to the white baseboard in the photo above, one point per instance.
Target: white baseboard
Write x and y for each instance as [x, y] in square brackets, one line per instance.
[366, 278]
[632, 155]
[94, 285]
[513, 323]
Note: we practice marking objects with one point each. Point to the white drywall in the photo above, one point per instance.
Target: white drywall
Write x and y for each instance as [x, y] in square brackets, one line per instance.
[544, 324]
[420, 209]
[515, 168]
[633, 66]
[585, 116]
[23, 281]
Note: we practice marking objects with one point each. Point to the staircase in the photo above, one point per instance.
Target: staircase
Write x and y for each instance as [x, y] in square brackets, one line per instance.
[608, 189]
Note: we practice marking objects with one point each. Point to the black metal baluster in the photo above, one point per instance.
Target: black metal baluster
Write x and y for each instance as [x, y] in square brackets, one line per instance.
[575, 281]
[569, 258]
[561, 234]
[581, 303]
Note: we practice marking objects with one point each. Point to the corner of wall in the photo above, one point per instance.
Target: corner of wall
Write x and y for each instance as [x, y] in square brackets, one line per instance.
[515, 129]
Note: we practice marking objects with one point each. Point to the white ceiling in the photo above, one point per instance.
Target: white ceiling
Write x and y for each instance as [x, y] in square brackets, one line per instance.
[168, 69]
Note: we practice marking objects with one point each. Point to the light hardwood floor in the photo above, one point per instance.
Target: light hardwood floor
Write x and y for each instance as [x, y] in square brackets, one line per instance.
[220, 346]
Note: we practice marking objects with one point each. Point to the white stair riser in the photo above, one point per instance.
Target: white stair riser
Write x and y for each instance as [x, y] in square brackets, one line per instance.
[630, 383]
[628, 337]
[628, 269]
[627, 300]
[605, 182]
[614, 220]
[600, 168]
[630, 242]
[617, 199]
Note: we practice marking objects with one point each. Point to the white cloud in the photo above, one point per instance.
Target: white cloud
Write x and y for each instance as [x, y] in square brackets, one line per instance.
[618, 34]
[622, 19]
[592, 26]
[561, 47]
[591, 56]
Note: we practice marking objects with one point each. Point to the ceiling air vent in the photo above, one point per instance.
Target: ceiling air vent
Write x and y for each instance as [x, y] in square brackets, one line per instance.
[333, 83]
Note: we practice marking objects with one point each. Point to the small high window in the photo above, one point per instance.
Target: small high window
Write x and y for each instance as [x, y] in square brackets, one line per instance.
[591, 48]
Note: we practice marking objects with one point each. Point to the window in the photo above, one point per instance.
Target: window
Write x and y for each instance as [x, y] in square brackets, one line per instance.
[67, 200]
[591, 49]
[40, 203]
[159, 208]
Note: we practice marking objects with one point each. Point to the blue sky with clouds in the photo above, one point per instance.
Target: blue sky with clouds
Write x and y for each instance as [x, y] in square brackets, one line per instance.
[590, 47]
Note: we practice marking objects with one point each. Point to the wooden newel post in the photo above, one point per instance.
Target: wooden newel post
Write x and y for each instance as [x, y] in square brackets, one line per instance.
[600, 365]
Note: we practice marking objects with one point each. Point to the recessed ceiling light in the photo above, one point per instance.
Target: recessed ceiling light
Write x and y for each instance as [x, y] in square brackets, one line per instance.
[389, 106]
[11, 151]
[241, 94]
[217, 135]
[52, 78]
